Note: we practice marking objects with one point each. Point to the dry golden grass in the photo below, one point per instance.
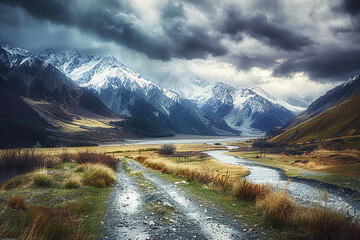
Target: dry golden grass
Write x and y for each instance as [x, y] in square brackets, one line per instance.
[278, 208]
[74, 181]
[250, 192]
[98, 175]
[322, 223]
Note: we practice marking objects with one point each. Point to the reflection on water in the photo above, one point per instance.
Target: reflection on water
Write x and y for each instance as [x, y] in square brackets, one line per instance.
[303, 192]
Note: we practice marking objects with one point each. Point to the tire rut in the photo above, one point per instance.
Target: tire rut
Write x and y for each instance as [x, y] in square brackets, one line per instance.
[148, 207]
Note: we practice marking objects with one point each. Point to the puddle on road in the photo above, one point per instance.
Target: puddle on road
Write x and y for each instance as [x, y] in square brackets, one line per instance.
[129, 202]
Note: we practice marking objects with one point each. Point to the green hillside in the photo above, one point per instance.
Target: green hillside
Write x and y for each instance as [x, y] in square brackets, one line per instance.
[340, 123]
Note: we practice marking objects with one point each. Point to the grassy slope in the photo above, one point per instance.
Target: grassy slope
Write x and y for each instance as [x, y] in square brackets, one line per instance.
[75, 213]
[341, 121]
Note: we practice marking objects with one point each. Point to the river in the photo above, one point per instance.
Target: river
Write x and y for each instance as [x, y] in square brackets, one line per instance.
[305, 193]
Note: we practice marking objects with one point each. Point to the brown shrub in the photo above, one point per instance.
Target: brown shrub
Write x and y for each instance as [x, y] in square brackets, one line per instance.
[65, 156]
[21, 161]
[17, 202]
[205, 175]
[247, 191]
[167, 149]
[94, 157]
[140, 159]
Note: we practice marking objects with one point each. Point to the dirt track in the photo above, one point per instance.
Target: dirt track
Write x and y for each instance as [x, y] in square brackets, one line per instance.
[148, 207]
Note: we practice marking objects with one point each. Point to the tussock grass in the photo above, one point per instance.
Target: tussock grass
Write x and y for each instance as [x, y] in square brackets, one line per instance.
[98, 175]
[250, 192]
[42, 179]
[321, 223]
[73, 182]
[278, 208]
[94, 157]
[47, 223]
[15, 182]
[21, 161]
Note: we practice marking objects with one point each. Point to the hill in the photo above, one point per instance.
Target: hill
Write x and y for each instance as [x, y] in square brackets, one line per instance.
[339, 126]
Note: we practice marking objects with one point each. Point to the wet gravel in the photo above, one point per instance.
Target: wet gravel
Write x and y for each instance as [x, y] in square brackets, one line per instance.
[148, 207]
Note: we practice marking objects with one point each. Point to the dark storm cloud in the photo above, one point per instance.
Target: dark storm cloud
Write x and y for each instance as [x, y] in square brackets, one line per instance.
[246, 62]
[334, 64]
[113, 20]
[188, 40]
[352, 7]
[106, 21]
[189, 29]
[258, 26]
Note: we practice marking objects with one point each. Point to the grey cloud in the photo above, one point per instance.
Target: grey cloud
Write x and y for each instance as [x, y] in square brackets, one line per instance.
[114, 21]
[259, 26]
[188, 40]
[330, 65]
[246, 62]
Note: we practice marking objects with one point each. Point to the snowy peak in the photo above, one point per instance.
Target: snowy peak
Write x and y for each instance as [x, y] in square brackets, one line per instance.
[351, 80]
[15, 50]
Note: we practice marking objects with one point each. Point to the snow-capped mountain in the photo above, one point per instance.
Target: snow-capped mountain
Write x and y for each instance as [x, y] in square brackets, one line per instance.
[251, 111]
[244, 110]
[191, 87]
[295, 108]
[190, 105]
[122, 90]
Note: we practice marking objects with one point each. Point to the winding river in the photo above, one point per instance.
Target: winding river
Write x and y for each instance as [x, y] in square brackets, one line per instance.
[305, 193]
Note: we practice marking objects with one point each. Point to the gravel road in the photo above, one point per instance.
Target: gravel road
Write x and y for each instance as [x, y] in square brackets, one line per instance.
[149, 207]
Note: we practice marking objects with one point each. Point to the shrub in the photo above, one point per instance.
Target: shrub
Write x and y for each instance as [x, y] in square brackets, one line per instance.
[73, 182]
[277, 208]
[16, 202]
[247, 191]
[94, 157]
[21, 161]
[223, 181]
[205, 175]
[167, 149]
[42, 180]
[98, 175]
[140, 159]
[16, 182]
[65, 156]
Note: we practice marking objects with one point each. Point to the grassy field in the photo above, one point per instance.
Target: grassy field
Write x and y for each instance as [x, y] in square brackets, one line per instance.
[259, 206]
[65, 194]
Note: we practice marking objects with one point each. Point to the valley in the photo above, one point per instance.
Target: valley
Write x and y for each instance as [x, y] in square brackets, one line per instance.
[170, 202]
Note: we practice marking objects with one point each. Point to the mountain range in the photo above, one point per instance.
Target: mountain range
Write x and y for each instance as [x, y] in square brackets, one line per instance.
[105, 88]
[191, 106]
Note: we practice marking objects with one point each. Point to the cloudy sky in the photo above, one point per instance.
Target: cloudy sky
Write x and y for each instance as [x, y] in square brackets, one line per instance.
[298, 46]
